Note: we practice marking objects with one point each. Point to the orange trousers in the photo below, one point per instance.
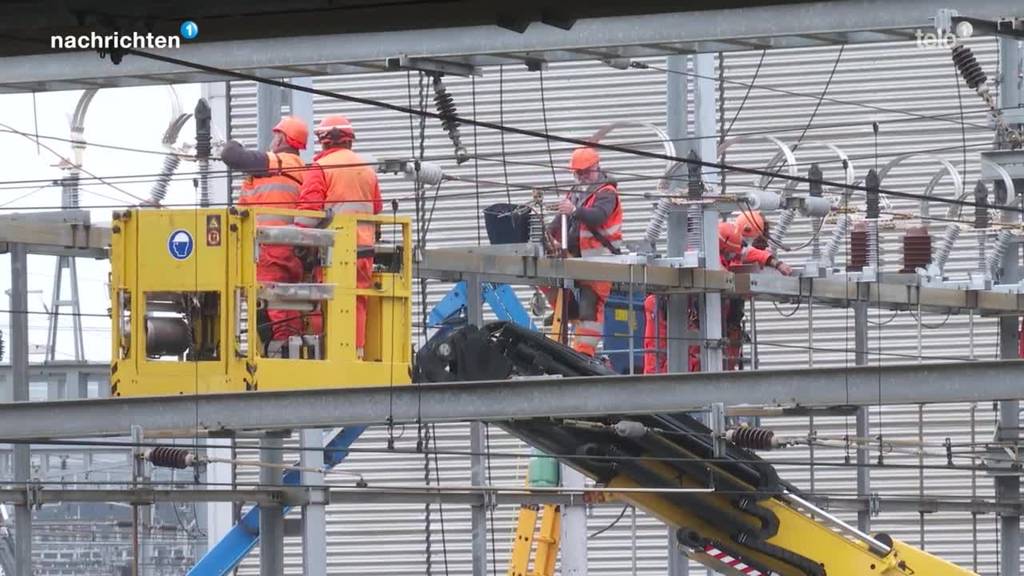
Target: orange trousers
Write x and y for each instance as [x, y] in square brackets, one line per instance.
[279, 264]
[587, 315]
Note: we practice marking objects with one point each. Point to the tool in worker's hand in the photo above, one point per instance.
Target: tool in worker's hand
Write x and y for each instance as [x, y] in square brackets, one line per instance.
[565, 232]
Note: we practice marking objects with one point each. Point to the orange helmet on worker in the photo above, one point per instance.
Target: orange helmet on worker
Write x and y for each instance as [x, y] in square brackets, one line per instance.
[751, 224]
[334, 130]
[294, 131]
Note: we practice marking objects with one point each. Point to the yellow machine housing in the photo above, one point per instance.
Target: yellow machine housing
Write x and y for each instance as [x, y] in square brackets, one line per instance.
[185, 301]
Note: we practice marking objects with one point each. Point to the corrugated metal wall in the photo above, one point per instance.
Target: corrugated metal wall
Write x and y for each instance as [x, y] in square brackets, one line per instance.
[898, 85]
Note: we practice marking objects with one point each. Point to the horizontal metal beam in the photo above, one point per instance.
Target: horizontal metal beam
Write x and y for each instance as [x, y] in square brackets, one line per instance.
[776, 26]
[512, 265]
[69, 232]
[911, 504]
[505, 400]
[286, 496]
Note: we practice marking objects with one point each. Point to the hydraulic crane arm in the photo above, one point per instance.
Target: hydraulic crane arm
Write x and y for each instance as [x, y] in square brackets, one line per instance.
[731, 511]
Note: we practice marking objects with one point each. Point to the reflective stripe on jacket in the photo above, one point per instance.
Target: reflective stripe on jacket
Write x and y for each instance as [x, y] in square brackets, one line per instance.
[280, 189]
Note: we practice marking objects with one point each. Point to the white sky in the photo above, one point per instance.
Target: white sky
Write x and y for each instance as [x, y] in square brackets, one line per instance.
[130, 117]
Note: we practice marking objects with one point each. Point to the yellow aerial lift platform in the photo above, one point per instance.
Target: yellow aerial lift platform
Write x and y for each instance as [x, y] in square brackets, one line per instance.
[187, 305]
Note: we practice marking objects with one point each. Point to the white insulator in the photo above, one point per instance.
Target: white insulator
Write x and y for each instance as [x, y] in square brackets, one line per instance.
[837, 239]
[204, 183]
[949, 238]
[781, 227]
[982, 240]
[656, 227]
[994, 261]
[873, 247]
[764, 200]
[170, 166]
[429, 173]
[69, 195]
[536, 227]
[694, 230]
[815, 207]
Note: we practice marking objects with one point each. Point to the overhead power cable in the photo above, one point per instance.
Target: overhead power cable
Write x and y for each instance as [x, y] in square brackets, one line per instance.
[524, 132]
[642, 66]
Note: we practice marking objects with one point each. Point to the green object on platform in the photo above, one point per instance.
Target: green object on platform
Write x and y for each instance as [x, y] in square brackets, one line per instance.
[543, 470]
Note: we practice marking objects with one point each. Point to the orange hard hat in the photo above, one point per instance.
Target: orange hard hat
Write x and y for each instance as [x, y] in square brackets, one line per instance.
[750, 224]
[583, 158]
[729, 238]
[295, 131]
[335, 128]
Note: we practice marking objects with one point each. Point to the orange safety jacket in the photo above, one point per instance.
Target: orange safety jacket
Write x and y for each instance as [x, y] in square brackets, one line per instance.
[342, 184]
[280, 189]
[591, 243]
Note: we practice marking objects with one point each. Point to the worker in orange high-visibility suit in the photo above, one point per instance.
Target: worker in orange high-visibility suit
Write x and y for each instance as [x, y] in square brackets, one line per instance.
[732, 252]
[594, 227]
[340, 181]
[274, 180]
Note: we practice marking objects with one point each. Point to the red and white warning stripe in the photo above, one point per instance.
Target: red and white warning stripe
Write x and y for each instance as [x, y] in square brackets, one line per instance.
[735, 563]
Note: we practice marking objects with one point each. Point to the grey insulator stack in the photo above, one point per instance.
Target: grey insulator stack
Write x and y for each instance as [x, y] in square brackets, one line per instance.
[836, 240]
[656, 227]
[949, 238]
[159, 191]
[995, 258]
[873, 212]
[781, 227]
[69, 190]
[204, 148]
[427, 173]
[536, 227]
[874, 253]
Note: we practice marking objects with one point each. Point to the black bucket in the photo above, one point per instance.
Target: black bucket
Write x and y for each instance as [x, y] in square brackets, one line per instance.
[506, 224]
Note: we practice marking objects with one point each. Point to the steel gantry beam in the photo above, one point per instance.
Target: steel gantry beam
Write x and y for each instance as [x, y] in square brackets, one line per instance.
[502, 400]
[778, 26]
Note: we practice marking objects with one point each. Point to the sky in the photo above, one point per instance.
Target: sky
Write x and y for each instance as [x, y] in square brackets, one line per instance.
[126, 117]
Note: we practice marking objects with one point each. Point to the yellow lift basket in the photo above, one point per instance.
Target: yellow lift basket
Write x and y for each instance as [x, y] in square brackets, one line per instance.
[185, 303]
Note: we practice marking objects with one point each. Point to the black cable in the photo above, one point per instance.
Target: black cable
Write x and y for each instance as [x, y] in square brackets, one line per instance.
[476, 166]
[963, 130]
[440, 505]
[490, 510]
[745, 95]
[522, 131]
[641, 65]
[611, 525]
[817, 106]
[67, 161]
[929, 326]
[88, 144]
[501, 121]
[544, 115]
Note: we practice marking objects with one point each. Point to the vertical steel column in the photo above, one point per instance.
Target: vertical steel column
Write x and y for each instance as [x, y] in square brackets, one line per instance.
[676, 127]
[478, 477]
[477, 444]
[860, 325]
[217, 516]
[269, 100]
[705, 142]
[19, 378]
[1011, 95]
[271, 515]
[314, 516]
[574, 528]
[302, 107]
[217, 95]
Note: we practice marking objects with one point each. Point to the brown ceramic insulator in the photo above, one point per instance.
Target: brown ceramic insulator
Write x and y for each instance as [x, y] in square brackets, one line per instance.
[858, 248]
[917, 249]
